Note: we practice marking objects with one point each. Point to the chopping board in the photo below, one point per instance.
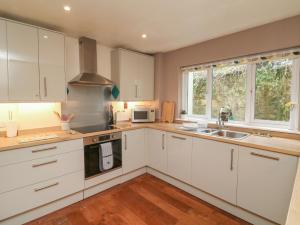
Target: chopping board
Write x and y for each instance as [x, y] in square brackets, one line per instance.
[168, 111]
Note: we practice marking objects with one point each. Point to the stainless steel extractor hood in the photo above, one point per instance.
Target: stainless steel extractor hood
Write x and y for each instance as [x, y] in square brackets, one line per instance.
[88, 65]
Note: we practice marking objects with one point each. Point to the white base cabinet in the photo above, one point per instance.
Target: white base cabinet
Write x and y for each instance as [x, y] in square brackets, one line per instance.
[265, 182]
[214, 168]
[156, 150]
[179, 156]
[133, 150]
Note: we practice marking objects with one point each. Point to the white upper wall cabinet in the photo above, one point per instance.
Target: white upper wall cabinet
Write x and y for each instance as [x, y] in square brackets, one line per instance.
[3, 62]
[52, 66]
[23, 69]
[134, 74]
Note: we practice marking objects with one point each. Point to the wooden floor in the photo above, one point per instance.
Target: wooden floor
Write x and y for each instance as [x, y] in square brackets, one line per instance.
[145, 200]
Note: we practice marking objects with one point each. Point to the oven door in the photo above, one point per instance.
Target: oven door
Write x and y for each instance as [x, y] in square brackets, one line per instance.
[92, 158]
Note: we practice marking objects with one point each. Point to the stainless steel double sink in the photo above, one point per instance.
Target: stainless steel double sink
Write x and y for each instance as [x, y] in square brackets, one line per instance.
[223, 133]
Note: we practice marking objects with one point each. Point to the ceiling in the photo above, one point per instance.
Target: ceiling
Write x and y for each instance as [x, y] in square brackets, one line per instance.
[169, 24]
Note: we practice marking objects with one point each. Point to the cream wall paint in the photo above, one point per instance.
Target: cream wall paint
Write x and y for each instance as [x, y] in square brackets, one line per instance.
[274, 36]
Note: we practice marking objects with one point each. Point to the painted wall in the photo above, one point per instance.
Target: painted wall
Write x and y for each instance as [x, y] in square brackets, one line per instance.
[274, 36]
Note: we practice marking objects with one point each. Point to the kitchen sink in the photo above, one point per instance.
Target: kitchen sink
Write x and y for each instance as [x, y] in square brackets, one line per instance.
[206, 131]
[229, 134]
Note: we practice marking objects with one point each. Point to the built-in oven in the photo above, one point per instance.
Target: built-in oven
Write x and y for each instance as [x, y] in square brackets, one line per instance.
[102, 153]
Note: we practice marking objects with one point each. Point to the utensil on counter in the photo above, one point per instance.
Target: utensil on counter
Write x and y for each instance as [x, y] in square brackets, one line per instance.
[65, 120]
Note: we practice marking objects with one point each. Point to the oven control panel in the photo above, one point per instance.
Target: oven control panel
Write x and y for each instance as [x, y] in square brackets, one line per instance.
[101, 138]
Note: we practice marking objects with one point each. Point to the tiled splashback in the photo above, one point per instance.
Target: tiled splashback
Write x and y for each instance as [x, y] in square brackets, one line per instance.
[30, 115]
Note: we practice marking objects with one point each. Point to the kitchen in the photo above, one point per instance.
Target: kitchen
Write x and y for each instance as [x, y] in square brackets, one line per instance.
[110, 115]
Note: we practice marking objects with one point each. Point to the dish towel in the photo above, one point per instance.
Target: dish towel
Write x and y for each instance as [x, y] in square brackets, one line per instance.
[106, 159]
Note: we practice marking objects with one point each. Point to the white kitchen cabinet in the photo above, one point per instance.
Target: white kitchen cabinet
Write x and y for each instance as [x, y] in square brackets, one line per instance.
[52, 66]
[23, 69]
[214, 168]
[3, 63]
[134, 74]
[179, 156]
[265, 182]
[133, 150]
[157, 150]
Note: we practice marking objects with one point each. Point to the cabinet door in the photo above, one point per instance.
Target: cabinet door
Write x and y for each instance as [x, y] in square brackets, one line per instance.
[52, 66]
[157, 151]
[265, 183]
[128, 75]
[179, 156]
[214, 168]
[133, 150]
[3, 63]
[145, 89]
[23, 71]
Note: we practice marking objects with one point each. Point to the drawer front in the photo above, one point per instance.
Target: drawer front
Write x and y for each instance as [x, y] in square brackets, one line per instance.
[21, 200]
[14, 176]
[35, 152]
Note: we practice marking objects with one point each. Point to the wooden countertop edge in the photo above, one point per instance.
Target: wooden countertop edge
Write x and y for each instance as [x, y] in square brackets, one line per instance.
[241, 142]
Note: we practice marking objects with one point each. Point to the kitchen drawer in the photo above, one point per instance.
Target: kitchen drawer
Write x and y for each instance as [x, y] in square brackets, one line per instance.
[21, 200]
[39, 151]
[14, 176]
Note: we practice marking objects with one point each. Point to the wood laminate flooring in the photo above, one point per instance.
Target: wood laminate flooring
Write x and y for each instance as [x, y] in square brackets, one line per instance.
[145, 200]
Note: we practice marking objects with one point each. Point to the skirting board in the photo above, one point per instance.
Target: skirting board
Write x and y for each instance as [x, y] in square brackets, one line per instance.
[236, 211]
[44, 210]
[115, 181]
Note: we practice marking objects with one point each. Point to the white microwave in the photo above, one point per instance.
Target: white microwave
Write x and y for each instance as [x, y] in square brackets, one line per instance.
[143, 115]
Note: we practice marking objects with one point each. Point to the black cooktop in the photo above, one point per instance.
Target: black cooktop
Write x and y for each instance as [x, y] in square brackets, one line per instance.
[95, 128]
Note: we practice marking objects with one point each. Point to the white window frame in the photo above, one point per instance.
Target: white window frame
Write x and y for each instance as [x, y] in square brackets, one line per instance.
[293, 124]
[294, 99]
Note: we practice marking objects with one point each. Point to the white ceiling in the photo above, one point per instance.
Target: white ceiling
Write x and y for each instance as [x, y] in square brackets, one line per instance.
[169, 24]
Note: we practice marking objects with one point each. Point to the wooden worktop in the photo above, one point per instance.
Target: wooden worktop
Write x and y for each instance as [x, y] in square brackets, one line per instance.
[274, 144]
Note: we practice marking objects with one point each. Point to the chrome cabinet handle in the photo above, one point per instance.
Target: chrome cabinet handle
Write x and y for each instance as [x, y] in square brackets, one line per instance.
[44, 149]
[45, 163]
[45, 87]
[231, 159]
[163, 142]
[176, 137]
[46, 187]
[125, 141]
[265, 156]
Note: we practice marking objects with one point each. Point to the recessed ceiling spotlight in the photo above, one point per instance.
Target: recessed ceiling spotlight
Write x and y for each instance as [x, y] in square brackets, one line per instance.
[45, 36]
[144, 35]
[67, 8]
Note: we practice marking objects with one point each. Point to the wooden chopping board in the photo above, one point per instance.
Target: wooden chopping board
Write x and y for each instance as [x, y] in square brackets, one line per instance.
[168, 111]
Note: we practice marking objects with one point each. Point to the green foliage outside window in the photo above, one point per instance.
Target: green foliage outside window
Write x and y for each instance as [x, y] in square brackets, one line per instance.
[199, 92]
[229, 90]
[273, 95]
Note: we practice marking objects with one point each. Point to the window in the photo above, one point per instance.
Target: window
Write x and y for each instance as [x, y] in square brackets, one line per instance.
[261, 91]
[273, 90]
[229, 90]
[197, 92]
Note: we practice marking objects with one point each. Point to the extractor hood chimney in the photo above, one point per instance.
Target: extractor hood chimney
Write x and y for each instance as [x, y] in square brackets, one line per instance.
[88, 65]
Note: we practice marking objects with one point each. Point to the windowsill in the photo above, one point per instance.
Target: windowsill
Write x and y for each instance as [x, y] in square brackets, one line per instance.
[240, 125]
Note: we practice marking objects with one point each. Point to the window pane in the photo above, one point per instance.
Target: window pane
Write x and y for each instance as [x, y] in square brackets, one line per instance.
[199, 84]
[273, 85]
[229, 90]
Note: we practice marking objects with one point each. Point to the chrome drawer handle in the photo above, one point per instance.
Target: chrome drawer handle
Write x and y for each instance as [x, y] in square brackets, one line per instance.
[163, 141]
[43, 149]
[231, 159]
[176, 137]
[45, 163]
[125, 141]
[265, 156]
[46, 187]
